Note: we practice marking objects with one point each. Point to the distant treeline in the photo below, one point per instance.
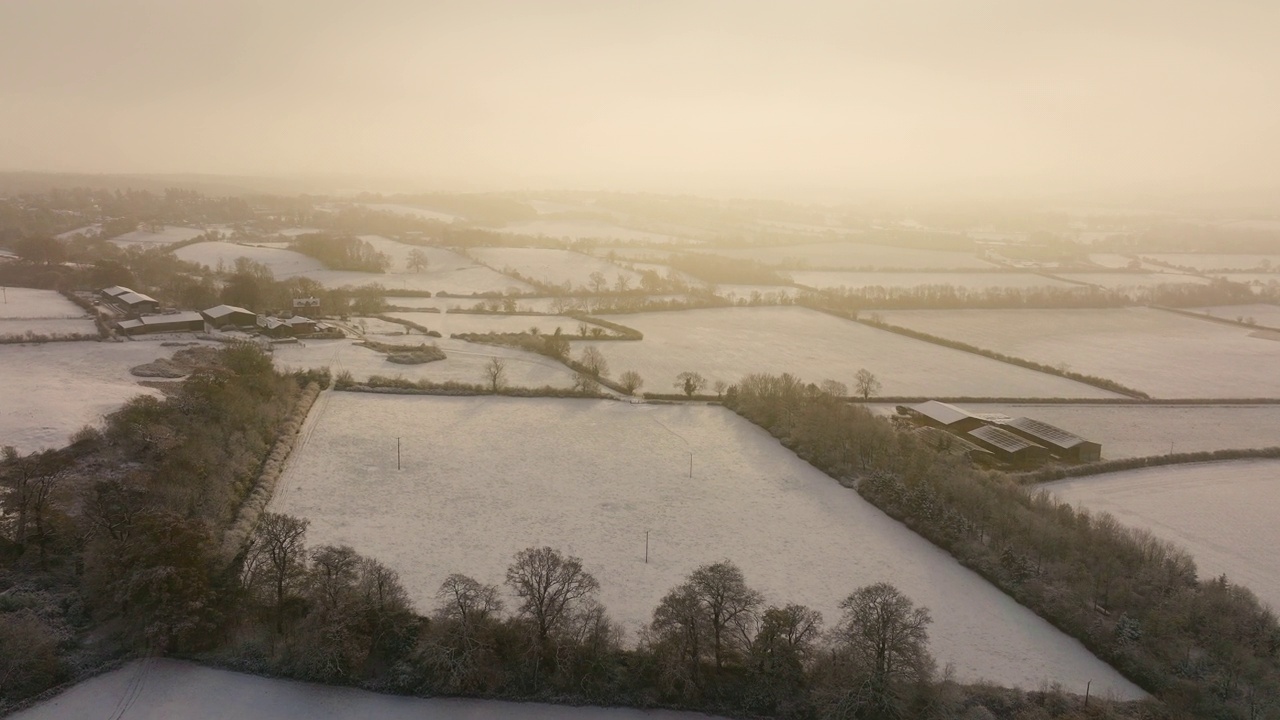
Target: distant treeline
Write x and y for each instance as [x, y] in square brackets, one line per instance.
[341, 252]
[1205, 648]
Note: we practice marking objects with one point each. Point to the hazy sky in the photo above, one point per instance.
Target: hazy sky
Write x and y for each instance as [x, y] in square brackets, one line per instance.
[766, 98]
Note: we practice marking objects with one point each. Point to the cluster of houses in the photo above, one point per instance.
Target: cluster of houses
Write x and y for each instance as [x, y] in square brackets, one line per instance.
[998, 439]
[144, 316]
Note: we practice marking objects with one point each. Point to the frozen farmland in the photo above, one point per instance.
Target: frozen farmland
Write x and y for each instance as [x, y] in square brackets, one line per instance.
[485, 477]
[1223, 513]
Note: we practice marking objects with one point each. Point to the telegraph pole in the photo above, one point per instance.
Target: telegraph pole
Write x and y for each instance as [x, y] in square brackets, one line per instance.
[646, 547]
[397, 453]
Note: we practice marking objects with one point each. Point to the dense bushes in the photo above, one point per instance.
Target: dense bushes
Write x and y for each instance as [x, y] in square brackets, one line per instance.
[1206, 648]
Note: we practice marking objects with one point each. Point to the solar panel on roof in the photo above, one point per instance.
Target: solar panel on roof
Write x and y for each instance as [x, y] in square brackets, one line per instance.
[1045, 431]
[1002, 439]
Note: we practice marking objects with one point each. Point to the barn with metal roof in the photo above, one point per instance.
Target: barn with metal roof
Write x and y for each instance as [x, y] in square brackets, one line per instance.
[1008, 447]
[941, 415]
[1059, 442]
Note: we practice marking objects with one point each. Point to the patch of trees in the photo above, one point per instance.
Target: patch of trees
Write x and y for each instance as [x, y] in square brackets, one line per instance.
[119, 533]
[1206, 648]
[943, 296]
[342, 252]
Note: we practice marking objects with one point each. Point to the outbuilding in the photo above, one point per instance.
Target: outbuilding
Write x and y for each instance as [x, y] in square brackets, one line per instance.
[942, 415]
[223, 315]
[1059, 442]
[1007, 447]
[173, 322]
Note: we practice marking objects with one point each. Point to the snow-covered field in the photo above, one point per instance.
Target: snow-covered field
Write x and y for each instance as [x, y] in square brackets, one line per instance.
[1215, 261]
[974, 280]
[171, 234]
[215, 255]
[465, 362]
[1161, 353]
[728, 343]
[1130, 281]
[591, 477]
[424, 213]
[450, 323]
[52, 390]
[859, 256]
[1262, 314]
[554, 267]
[165, 689]
[587, 229]
[45, 312]
[1223, 513]
[1144, 430]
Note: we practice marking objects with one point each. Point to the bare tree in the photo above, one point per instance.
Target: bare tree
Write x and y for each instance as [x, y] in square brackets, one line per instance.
[277, 557]
[720, 386]
[885, 638]
[834, 388]
[417, 260]
[728, 605]
[592, 361]
[599, 283]
[866, 383]
[550, 587]
[631, 381]
[495, 371]
[467, 601]
[690, 382]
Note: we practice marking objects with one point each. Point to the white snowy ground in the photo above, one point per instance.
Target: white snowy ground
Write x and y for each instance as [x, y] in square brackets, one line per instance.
[449, 323]
[1133, 281]
[1161, 353]
[823, 279]
[414, 211]
[486, 477]
[554, 266]
[728, 343]
[171, 234]
[859, 256]
[1225, 514]
[1263, 314]
[465, 362]
[282, 263]
[587, 229]
[45, 312]
[171, 689]
[51, 390]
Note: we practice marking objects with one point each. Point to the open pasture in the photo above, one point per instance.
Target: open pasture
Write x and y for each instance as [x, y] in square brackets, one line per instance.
[413, 211]
[465, 362]
[1144, 430]
[587, 230]
[1122, 281]
[466, 501]
[169, 235]
[728, 343]
[44, 312]
[282, 263]
[164, 689]
[54, 389]
[1164, 354]
[554, 267]
[824, 279]
[1205, 262]
[1262, 314]
[1222, 513]
[858, 256]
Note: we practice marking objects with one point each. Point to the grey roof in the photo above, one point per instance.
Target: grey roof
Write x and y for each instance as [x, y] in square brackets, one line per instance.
[180, 317]
[131, 298]
[1045, 432]
[1002, 439]
[116, 290]
[944, 413]
[224, 310]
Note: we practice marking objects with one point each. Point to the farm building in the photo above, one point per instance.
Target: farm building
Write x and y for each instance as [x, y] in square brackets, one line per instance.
[1008, 447]
[224, 315]
[175, 322]
[1059, 442]
[130, 301]
[289, 327]
[941, 415]
[943, 441]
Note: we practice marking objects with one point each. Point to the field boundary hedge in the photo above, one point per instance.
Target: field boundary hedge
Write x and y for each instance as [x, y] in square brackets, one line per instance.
[1122, 464]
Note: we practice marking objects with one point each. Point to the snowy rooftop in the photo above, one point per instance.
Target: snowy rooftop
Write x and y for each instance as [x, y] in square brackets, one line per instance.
[1002, 439]
[944, 413]
[131, 297]
[1045, 432]
[224, 310]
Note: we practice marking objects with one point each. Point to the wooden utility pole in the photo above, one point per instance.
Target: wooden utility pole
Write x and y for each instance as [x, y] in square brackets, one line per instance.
[646, 547]
[397, 453]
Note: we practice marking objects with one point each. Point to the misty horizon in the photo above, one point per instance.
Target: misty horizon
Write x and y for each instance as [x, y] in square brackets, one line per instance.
[931, 100]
